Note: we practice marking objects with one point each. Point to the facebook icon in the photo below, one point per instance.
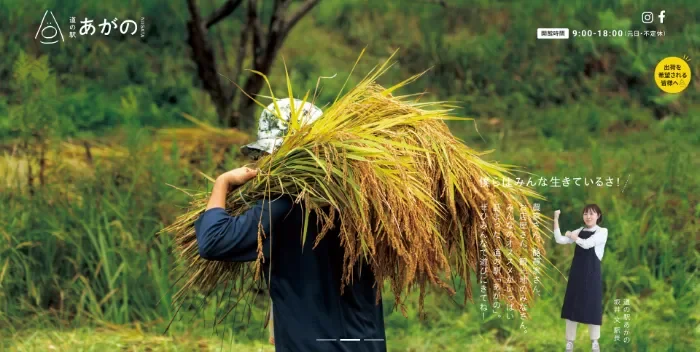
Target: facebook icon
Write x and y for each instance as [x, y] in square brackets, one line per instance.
[661, 16]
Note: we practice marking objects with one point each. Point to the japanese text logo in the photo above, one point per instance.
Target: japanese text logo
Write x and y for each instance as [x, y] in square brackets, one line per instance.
[49, 28]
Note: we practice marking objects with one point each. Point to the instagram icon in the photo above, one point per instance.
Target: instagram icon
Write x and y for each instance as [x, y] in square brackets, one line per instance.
[647, 17]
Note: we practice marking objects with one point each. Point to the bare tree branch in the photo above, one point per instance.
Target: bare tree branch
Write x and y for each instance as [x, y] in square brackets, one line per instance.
[301, 12]
[220, 46]
[277, 17]
[242, 49]
[204, 58]
[265, 46]
[226, 9]
[194, 11]
[258, 39]
[277, 32]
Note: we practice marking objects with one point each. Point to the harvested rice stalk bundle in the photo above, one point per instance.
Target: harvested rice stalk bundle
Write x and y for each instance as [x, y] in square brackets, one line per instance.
[408, 193]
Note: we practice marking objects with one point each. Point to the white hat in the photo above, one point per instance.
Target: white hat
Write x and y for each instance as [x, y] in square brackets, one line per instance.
[272, 130]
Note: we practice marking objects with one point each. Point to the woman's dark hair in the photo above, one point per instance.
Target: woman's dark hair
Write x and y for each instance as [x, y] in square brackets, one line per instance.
[596, 209]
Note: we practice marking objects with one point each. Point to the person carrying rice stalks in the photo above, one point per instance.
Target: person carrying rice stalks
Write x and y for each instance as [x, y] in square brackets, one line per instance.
[382, 195]
[310, 314]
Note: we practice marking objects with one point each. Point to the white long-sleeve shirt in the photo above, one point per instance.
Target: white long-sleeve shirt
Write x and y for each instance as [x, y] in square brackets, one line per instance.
[597, 240]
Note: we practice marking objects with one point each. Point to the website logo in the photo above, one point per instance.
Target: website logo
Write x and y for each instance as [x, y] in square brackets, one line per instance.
[50, 31]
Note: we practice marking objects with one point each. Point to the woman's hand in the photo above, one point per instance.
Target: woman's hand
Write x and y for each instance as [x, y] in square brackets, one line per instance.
[556, 220]
[239, 176]
[571, 235]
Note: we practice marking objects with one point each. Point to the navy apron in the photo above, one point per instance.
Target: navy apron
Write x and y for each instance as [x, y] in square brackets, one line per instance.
[583, 301]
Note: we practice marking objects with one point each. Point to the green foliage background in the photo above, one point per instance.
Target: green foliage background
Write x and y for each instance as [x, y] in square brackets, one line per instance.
[79, 256]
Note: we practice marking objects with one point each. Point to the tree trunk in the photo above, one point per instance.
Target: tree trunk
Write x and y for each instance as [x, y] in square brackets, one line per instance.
[204, 58]
[265, 47]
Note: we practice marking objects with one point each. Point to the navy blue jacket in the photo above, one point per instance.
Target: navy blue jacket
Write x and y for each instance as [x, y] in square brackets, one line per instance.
[308, 309]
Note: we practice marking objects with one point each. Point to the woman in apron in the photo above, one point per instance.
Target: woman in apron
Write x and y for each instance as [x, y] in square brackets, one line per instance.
[583, 302]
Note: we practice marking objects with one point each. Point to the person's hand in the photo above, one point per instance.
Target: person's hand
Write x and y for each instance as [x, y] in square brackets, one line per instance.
[568, 234]
[556, 214]
[239, 176]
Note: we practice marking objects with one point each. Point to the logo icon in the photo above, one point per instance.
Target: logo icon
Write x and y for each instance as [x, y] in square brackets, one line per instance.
[647, 17]
[661, 16]
[49, 28]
